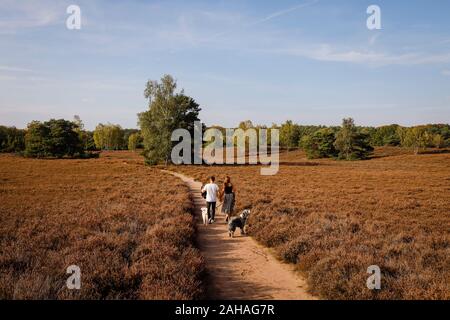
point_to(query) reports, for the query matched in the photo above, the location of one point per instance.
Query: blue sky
(312, 61)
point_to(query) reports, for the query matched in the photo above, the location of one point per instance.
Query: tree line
(169, 110)
(356, 142)
(352, 142)
(11, 139)
(113, 137)
(63, 138)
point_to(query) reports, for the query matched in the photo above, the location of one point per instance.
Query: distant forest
(63, 138)
(169, 109)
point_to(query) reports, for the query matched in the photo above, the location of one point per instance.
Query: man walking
(211, 190)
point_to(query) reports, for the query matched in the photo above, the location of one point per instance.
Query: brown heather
(335, 219)
(128, 227)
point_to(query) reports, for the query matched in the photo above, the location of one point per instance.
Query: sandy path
(240, 268)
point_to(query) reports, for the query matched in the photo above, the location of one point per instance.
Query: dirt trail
(240, 268)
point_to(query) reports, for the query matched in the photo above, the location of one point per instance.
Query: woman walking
(227, 195)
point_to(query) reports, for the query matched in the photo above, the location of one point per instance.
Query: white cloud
(16, 15)
(14, 69)
(326, 52)
(284, 12)
(269, 17)
(237, 34)
(446, 73)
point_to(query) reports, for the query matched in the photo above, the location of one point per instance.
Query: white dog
(205, 216)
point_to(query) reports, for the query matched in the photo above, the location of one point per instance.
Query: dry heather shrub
(128, 227)
(293, 249)
(336, 219)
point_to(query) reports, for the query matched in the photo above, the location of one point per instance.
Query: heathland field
(335, 219)
(120, 222)
(130, 227)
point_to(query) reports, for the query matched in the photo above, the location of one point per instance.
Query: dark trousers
(211, 206)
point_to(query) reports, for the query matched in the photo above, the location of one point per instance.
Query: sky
(311, 61)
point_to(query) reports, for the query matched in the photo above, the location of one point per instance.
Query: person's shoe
(210, 221)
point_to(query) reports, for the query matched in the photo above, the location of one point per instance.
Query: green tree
(108, 137)
(351, 143)
(126, 137)
(3, 138)
(36, 140)
(416, 138)
(386, 135)
(244, 125)
(289, 135)
(86, 137)
(11, 139)
(133, 141)
(87, 140)
(99, 136)
(53, 138)
(319, 144)
(168, 111)
(115, 137)
(438, 141)
(440, 135)
(309, 130)
(64, 139)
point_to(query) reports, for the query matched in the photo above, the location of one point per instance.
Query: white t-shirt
(211, 192)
